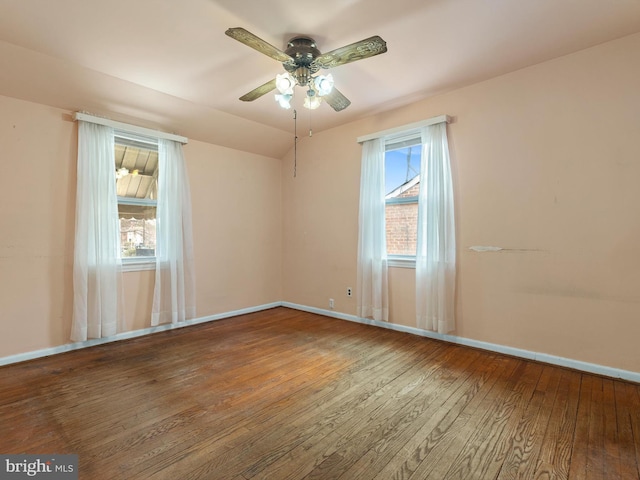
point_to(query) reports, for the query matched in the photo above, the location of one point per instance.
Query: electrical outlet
(331, 303)
(349, 292)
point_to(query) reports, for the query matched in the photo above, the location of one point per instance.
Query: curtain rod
(129, 128)
(410, 126)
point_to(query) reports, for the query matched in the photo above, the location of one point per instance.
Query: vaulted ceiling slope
(169, 65)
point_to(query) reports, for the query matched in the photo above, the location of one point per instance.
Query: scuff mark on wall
(483, 248)
(480, 248)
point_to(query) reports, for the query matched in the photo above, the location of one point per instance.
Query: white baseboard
(492, 347)
(45, 352)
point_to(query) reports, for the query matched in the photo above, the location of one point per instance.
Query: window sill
(401, 261)
(138, 264)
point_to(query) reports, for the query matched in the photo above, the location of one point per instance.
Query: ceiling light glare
(285, 83)
(284, 100)
(312, 101)
(324, 84)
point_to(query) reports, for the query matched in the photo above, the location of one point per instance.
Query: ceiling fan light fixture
(302, 76)
(284, 100)
(323, 84)
(312, 101)
(285, 83)
(302, 61)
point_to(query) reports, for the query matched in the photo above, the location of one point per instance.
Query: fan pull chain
(295, 142)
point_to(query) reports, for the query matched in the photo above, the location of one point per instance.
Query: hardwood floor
(283, 394)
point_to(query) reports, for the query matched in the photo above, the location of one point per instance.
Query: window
(402, 185)
(136, 166)
(388, 160)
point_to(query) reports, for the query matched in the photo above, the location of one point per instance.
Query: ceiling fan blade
(337, 100)
(249, 39)
(260, 91)
(350, 53)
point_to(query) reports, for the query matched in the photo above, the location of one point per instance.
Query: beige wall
(237, 229)
(546, 165)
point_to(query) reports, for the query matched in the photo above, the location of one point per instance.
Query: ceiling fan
(302, 61)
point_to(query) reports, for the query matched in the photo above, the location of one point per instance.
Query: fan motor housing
(303, 50)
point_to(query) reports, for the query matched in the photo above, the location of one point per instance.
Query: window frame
(136, 264)
(408, 138)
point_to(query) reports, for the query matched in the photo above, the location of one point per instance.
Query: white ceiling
(169, 64)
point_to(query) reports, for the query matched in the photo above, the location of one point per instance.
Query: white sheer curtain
(436, 249)
(174, 294)
(97, 270)
(372, 283)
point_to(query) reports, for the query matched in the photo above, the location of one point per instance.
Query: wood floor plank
(627, 404)
(595, 449)
(557, 443)
(261, 449)
(521, 457)
(250, 387)
(435, 454)
(482, 455)
(283, 394)
(259, 417)
(394, 414)
(440, 427)
(435, 403)
(580, 453)
(519, 450)
(635, 418)
(331, 415)
(612, 468)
